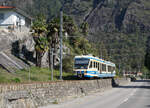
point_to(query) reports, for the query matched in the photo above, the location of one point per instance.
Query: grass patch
(6, 77)
(16, 80)
(55, 102)
(32, 74)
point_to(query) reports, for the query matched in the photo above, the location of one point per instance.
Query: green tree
(39, 35)
(84, 46)
(69, 25)
(102, 51)
(54, 28)
(84, 27)
(147, 57)
(53, 36)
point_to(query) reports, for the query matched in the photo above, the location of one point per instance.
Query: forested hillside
(120, 26)
(124, 28)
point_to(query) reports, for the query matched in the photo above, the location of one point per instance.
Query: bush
(68, 64)
(16, 80)
(141, 76)
(133, 78)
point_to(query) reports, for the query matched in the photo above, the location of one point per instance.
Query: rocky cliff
(137, 15)
(120, 15)
(14, 47)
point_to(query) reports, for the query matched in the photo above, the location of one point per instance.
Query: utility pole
(145, 74)
(123, 72)
(119, 69)
(61, 27)
(29, 72)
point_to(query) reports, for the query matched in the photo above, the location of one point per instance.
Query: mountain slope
(122, 25)
(124, 28)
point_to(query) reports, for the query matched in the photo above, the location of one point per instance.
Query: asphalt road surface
(134, 95)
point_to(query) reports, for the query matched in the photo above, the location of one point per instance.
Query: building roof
(16, 10)
(6, 7)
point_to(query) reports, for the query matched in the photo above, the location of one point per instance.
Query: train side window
(103, 67)
(98, 67)
(91, 64)
(96, 64)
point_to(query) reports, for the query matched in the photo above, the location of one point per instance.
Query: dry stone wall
(40, 94)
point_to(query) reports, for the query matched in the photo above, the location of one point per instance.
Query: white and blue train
(90, 67)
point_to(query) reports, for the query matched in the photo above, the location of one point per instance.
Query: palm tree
(53, 32)
(69, 25)
(39, 29)
(84, 27)
(53, 38)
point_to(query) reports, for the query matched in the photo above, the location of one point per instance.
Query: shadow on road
(142, 81)
(141, 86)
(148, 106)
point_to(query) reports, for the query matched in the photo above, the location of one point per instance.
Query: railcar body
(89, 66)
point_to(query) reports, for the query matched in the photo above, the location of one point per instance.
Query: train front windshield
(81, 63)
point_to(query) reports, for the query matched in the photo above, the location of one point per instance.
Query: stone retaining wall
(40, 94)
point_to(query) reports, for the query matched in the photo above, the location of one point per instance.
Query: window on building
(1, 16)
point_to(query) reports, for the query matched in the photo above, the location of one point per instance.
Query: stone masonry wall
(40, 94)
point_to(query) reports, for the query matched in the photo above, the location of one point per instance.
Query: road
(134, 95)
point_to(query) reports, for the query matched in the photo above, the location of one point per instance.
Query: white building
(13, 17)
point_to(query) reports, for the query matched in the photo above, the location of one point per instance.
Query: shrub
(16, 80)
(68, 64)
(133, 78)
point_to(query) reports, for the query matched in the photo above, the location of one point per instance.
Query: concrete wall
(40, 94)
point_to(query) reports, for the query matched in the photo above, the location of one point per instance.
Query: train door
(104, 68)
(109, 69)
(99, 68)
(112, 69)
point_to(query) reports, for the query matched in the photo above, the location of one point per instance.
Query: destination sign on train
(81, 61)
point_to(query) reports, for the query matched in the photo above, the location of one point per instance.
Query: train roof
(95, 58)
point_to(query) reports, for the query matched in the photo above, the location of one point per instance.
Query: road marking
(129, 96)
(125, 100)
(133, 92)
